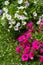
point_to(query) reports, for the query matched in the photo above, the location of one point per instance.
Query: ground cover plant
(21, 32)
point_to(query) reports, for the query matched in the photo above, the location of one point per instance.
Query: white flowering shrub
(18, 14)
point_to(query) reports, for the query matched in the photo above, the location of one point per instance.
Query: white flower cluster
(12, 22)
(20, 17)
(5, 14)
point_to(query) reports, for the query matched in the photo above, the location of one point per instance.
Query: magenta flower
(41, 44)
(41, 58)
(31, 30)
(25, 57)
(41, 50)
(41, 21)
(31, 55)
(26, 50)
(24, 43)
(21, 38)
(28, 35)
(35, 45)
(18, 49)
(30, 25)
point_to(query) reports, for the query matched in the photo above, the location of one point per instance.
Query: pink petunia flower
(31, 55)
(26, 50)
(30, 30)
(24, 43)
(41, 50)
(21, 38)
(35, 45)
(41, 44)
(41, 21)
(30, 25)
(18, 49)
(28, 35)
(25, 57)
(41, 58)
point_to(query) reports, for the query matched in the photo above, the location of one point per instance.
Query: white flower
(17, 11)
(38, 22)
(16, 15)
(22, 17)
(35, 14)
(23, 23)
(25, 13)
(8, 30)
(12, 22)
(6, 2)
(21, 7)
(27, 3)
(18, 24)
(16, 28)
(20, 1)
(10, 26)
(8, 16)
(35, 2)
(4, 15)
(5, 10)
(42, 16)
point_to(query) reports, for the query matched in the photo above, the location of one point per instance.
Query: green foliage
(7, 39)
(38, 36)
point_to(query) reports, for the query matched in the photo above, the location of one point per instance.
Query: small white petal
(35, 14)
(16, 28)
(22, 17)
(10, 26)
(16, 15)
(35, 2)
(8, 30)
(4, 15)
(23, 23)
(38, 22)
(20, 1)
(27, 3)
(6, 2)
(25, 13)
(5, 10)
(21, 7)
(12, 21)
(8, 16)
(18, 24)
